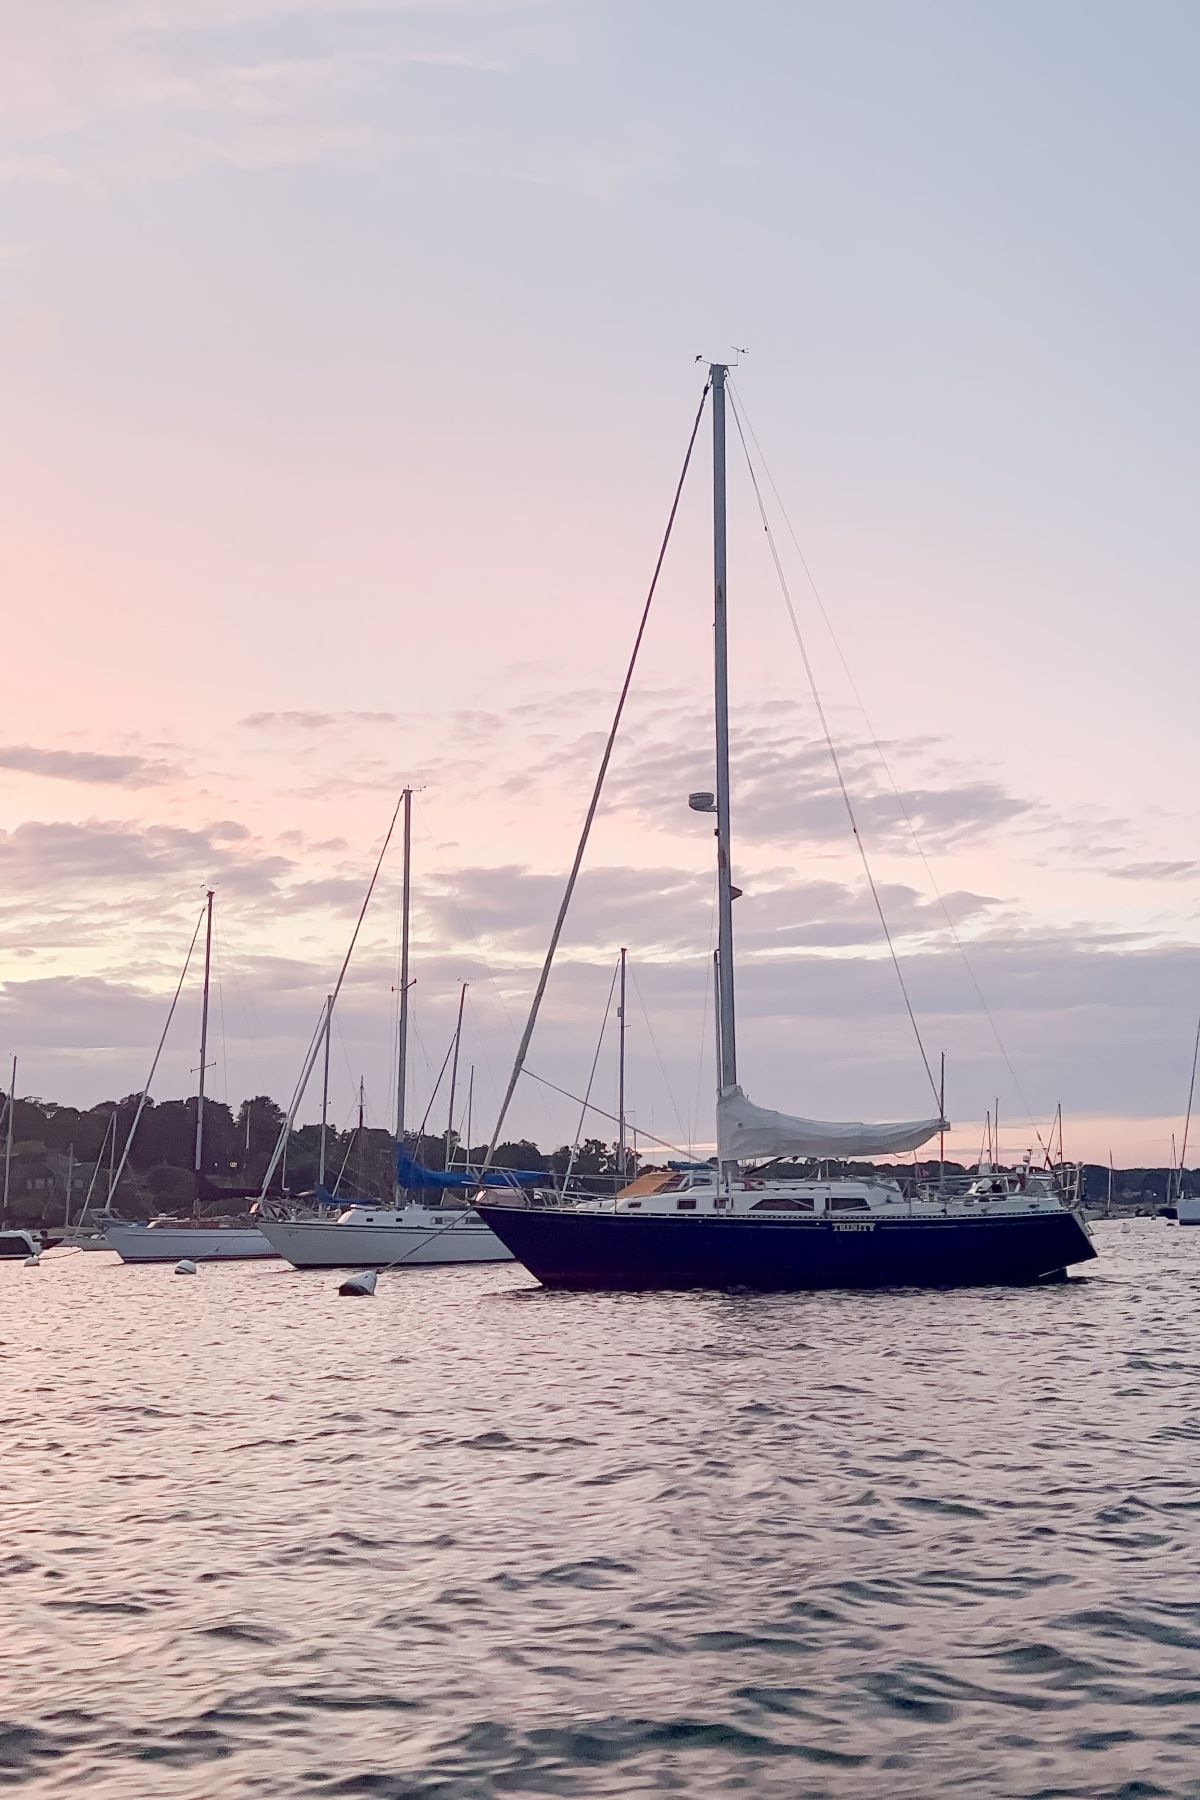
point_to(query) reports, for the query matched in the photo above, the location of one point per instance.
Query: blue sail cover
(412, 1174)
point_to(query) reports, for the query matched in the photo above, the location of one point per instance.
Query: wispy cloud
(1156, 871)
(91, 766)
(313, 721)
(120, 92)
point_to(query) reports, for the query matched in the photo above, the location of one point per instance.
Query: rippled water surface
(472, 1539)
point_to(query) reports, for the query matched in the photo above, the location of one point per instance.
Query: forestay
(746, 1132)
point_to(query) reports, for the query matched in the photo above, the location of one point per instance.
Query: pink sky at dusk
(347, 366)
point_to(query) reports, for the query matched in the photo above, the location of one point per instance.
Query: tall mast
(402, 1047)
(727, 1073)
(8, 1136)
(621, 1075)
(325, 1091)
(208, 904)
(362, 1113)
(462, 998)
(70, 1183)
(470, 1104)
(112, 1161)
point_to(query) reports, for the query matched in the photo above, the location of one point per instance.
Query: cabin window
(782, 1205)
(685, 1206)
(633, 1206)
(847, 1203)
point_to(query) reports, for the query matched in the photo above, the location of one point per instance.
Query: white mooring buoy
(185, 1266)
(359, 1286)
(34, 1261)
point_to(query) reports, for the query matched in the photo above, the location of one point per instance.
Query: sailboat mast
(112, 1162)
(462, 998)
(1187, 1121)
(402, 1034)
(727, 1074)
(621, 1074)
(8, 1136)
(208, 905)
(325, 1092)
(470, 1106)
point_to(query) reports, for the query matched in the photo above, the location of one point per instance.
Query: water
(471, 1539)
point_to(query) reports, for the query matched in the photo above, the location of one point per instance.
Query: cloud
(91, 766)
(668, 912)
(314, 721)
(786, 791)
(120, 92)
(1156, 871)
(50, 858)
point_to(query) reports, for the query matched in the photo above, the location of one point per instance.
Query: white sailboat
(409, 1233)
(199, 1240)
(15, 1240)
(1187, 1206)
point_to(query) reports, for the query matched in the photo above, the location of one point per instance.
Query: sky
(348, 357)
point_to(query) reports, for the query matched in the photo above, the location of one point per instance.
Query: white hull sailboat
(405, 1234)
(170, 1240)
(383, 1237)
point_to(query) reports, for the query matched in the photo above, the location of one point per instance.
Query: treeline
(52, 1143)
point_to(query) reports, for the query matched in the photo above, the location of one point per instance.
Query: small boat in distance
(1187, 1205)
(400, 1236)
(407, 1234)
(15, 1240)
(738, 1224)
(172, 1239)
(18, 1242)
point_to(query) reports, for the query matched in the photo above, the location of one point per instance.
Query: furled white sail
(746, 1132)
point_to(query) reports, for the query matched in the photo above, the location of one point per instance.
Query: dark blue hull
(638, 1250)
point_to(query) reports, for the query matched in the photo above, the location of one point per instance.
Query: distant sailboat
(411, 1232)
(1187, 1206)
(15, 1240)
(737, 1224)
(199, 1240)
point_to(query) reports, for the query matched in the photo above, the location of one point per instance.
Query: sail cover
(412, 1174)
(746, 1131)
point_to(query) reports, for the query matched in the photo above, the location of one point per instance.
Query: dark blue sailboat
(736, 1224)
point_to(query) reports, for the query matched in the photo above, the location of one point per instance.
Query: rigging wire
(1187, 1123)
(702, 1040)
(250, 1013)
(311, 1058)
(145, 1093)
(587, 1095)
(832, 748)
(664, 1143)
(736, 402)
(666, 1081)
(539, 991)
(221, 1020)
(490, 979)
